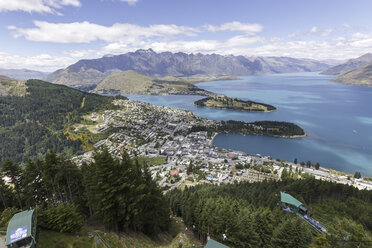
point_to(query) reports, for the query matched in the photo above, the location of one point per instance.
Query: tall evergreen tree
(14, 172)
(292, 233)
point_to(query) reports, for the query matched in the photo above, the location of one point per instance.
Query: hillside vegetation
(34, 116)
(268, 128)
(116, 195)
(131, 82)
(249, 214)
(225, 102)
(12, 87)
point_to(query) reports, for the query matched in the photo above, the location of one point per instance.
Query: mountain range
(91, 72)
(360, 76)
(23, 74)
(349, 65)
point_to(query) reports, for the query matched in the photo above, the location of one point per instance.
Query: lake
(336, 117)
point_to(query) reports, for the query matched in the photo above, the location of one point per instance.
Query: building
(292, 204)
(21, 231)
(289, 203)
(214, 244)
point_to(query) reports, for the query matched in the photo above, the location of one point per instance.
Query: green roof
(287, 198)
(19, 227)
(214, 244)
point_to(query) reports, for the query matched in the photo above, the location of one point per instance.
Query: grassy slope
(131, 82)
(177, 235)
(12, 87)
(151, 161)
(128, 82)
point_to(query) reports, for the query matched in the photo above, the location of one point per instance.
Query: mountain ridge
(360, 76)
(349, 65)
(23, 74)
(91, 72)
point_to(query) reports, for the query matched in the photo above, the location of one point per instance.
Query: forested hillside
(250, 216)
(117, 193)
(32, 124)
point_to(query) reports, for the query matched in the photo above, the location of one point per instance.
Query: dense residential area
(165, 136)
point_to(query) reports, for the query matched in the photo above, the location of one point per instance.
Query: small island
(224, 102)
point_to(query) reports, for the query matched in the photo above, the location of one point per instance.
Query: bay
(336, 117)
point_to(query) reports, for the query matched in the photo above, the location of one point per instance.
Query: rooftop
(287, 198)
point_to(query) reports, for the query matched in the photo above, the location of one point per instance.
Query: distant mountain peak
(145, 51)
(148, 62)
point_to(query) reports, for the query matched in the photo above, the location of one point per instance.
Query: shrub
(6, 215)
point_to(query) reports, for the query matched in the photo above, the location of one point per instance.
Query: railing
(98, 237)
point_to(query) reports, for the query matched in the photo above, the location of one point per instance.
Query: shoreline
(243, 110)
(274, 136)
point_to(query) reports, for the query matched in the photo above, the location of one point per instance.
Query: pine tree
(14, 172)
(3, 190)
(263, 225)
(33, 185)
(291, 233)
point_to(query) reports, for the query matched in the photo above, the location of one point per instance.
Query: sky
(47, 35)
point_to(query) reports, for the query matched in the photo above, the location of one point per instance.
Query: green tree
(291, 233)
(123, 195)
(357, 175)
(6, 215)
(14, 172)
(190, 168)
(320, 242)
(263, 220)
(61, 218)
(308, 164)
(295, 160)
(33, 185)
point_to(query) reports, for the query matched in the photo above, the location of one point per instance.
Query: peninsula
(224, 102)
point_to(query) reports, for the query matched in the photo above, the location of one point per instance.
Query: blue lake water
(336, 117)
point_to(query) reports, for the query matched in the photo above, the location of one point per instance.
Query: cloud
(79, 53)
(345, 25)
(314, 43)
(130, 2)
(326, 32)
(336, 48)
(85, 32)
(42, 62)
(198, 46)
(242, 40)
(313, 29)
(247, 28)
(40, 6)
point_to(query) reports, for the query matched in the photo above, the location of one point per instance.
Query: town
(164, 139)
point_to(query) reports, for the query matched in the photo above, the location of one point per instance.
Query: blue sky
(50, 34)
